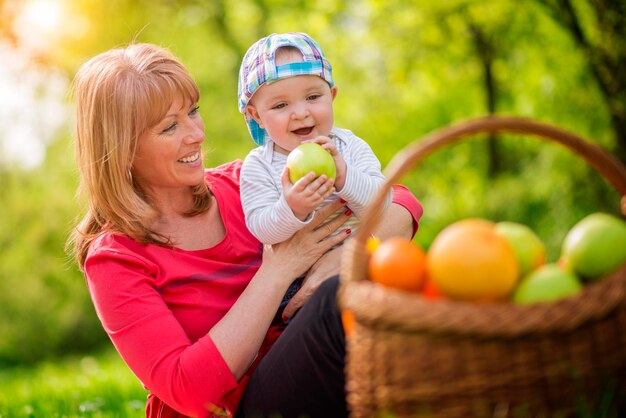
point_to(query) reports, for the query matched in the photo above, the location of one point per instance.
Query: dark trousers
(303, 374)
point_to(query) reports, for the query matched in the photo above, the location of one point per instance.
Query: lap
(303, 372)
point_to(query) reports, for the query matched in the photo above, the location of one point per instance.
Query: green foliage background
(403, 69)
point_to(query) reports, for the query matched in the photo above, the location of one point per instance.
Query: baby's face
(294, 109)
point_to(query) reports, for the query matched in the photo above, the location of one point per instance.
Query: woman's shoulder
(229, 171)
(110, 242)
(224, 180)
(114, 251)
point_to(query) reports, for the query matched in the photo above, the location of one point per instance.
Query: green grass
(90, 386)
(102, 386)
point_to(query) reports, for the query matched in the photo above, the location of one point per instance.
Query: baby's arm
(363, 176)
(268, 216)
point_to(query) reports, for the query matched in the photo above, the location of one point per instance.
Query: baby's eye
(313, 96)
(279, 106)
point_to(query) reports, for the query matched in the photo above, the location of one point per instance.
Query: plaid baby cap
(259, 67)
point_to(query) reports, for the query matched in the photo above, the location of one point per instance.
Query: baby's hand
(329, 145)
(307, 193)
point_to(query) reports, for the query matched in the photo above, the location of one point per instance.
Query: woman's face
(169, 154)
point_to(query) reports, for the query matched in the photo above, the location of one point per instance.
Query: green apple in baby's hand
(546, 284)
(528, 247)
(596, 245)
(309, 157)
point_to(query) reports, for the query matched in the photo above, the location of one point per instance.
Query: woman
(187, 295)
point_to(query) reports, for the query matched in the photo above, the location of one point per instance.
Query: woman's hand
(327, 266)
(396, 221)
(282, 263)
(292, 258)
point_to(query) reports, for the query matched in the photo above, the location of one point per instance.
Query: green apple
(546, 284)
(309, 157)
(528, 247)
(596, 245)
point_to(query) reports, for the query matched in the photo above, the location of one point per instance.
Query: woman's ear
(254, 114)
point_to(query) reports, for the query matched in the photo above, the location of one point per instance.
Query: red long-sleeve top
(157, 304)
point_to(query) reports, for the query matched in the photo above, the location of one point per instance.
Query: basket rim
(386, 308)
(591, 153)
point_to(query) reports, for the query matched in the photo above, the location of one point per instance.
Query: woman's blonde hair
(119, 95)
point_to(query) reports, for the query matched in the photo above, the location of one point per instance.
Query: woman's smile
(191, 158)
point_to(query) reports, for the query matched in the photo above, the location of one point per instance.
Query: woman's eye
(169, 129)
(194, 111)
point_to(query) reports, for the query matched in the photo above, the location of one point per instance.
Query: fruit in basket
(529, 249)
(309, 157)
(546, 284)
(469, 260)
(596, 245)
(400, 263)
(348, 321)
(371, 244)
(429, 289)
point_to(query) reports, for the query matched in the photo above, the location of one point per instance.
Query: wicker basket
(411, 357)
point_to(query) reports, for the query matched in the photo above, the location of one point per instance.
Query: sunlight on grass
(98, 386)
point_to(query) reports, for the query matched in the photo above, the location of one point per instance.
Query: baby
(286, 93)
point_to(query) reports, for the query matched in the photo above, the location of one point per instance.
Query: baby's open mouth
(303, 131)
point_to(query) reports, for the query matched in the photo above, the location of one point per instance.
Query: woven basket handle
(598, 158)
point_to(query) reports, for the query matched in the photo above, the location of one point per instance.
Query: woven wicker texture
(409, 357)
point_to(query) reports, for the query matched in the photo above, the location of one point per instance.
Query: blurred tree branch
(604, 44)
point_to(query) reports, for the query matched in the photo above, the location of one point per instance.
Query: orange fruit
(371, 244)
(400, 263)
(430, 291)
(469, 260)
(348, 321)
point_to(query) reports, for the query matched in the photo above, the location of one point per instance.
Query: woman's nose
(195, 133)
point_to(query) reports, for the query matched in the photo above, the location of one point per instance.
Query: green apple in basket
(528, 247)
(309, 157)
(596, 245)
(546, 284)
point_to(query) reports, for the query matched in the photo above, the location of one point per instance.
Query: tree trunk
(485, 51)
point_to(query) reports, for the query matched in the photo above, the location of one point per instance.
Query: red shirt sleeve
(403, 196)
(190, 377)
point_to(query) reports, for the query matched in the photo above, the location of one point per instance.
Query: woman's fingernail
(342, 201)
(348, 231)
(348, 212)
